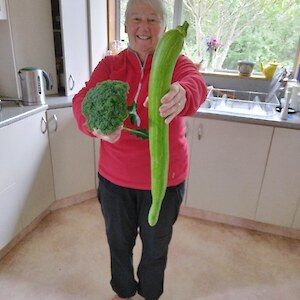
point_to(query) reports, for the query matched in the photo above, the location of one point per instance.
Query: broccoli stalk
(106, 109)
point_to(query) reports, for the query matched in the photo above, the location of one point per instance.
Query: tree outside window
(252, 30)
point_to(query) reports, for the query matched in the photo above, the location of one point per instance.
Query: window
(251, 30)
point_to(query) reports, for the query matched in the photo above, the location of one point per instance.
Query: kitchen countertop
(56, 101)
(293, 120)
(12, 114)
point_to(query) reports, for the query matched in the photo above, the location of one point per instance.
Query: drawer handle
(71, 82)
(200, 132)
(44, 125)
(56, 122)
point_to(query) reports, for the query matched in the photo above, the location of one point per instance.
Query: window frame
(113, 12)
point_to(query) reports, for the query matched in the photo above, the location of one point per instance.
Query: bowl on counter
(245, 67)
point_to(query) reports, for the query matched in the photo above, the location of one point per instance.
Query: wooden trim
(111, 16)
(24, 232)
(61, 203)
(234, 74)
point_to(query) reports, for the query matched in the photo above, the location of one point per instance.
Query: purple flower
(213, 44)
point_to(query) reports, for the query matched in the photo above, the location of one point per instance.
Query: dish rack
(242, 102)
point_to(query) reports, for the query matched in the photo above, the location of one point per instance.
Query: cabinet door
(74, 26)
(35, 178)
(10, 215)
(189, 123)
(10, 205)
(227, 166)
(98, 25)
(72, 155)
(3, 14)
(26, 181)
(280, 193)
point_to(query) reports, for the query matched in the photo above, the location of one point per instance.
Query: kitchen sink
(241, 102)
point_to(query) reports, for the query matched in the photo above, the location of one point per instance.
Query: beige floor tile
(66, 257)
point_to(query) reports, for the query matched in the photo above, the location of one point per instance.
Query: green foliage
(272, 35)
(106, 109)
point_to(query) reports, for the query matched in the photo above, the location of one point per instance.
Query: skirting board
(239, 222)
(54, 206)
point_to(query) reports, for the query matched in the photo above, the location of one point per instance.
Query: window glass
(223, 32)
(251, 30)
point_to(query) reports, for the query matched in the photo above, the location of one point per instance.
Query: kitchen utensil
(245, 68)
(32, 85)
(269, 70)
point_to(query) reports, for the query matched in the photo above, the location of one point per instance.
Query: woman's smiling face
(144, 26)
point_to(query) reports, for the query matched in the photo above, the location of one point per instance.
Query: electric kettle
(32, 85)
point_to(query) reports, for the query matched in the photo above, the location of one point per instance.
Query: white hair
(157, 4)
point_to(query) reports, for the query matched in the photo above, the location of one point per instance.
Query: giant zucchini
(163, 64)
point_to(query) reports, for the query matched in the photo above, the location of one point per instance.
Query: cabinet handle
(187, 130)
(54, 117)
(56, 122)
(200, 131)
(71, 82)
(44, 125)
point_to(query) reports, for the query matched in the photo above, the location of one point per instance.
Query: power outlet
(3, 14)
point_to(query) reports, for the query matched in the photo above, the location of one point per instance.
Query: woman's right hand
(111, 138)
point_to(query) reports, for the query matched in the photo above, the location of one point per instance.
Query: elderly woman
(124, 166)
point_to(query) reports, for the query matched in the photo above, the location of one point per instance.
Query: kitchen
(258, 170)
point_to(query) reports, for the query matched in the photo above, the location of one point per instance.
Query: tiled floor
(66, 258)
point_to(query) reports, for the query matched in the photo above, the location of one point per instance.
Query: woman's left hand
(173, 102)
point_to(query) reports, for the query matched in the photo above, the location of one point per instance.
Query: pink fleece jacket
(127, 162)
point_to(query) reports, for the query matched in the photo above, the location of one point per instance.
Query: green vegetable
(163, 64)
(106, 109)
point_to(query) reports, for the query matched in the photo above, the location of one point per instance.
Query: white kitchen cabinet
(71, 36)
(296, 222)
(189, 123)
(280, 194)
(26, 180)
(10, 215)
(10, 205)
(98, 31)
(3, 14)
(26, 41)
(72, 154)
(227, 166)
(34, 169)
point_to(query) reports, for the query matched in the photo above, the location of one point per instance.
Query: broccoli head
(105, 106)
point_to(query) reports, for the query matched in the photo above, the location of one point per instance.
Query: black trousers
(125, 212)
